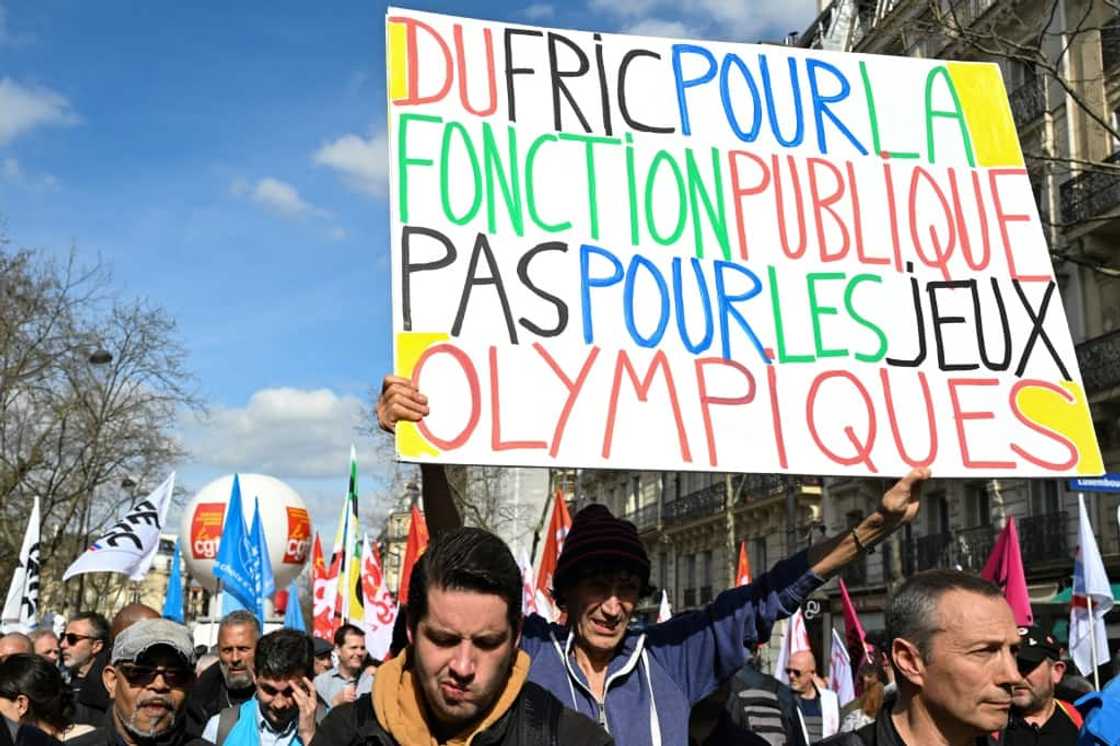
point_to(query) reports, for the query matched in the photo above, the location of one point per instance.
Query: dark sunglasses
(795, 672)
(73, 638)
(143, 675)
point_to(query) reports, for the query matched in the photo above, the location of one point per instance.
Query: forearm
(440, 512)
(827, 557)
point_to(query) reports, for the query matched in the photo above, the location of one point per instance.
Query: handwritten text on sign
(638, 253)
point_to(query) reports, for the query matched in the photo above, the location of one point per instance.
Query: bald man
(129, 616)
(820, 708)
(15, 642)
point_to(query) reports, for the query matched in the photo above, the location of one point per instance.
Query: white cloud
(659, 27)
(277, 197)
(22, 109)
(362, 162)
(538, 11)
(11, 172)
(731, 20)
(290, 433)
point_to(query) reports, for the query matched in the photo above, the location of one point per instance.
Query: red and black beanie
(599, 540)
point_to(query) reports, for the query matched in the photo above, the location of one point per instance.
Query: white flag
(1089, 582)
(21, 609)
(379, 610)
(664, 612)
(795, 638)
(528, 585)
(130, 545)
(840, 671)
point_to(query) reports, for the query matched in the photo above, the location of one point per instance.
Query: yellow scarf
(398, 702)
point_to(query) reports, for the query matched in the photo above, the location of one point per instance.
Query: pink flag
(1005, 569)
(854, 638)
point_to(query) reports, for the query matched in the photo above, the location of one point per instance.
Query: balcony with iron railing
(1027, 102)
(709, 501)
(1042, 538)
(855, 572)
(705, 595)
(644, 518)
(1099, 360)
(927, 552)
(1091, 193)
(973, 546)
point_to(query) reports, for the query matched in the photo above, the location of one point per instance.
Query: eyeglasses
(144, 675)
(791, 672)
(73, 638)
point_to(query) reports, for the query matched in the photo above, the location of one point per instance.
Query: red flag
(743, 573)
(417, 543)
(854, 638)
(1005, 569)
(558, 528)
(323, 621)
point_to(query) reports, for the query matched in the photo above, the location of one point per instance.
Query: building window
(1045, 499)
(690, 571)
(978, 500)
(663, 569)
(758, 556)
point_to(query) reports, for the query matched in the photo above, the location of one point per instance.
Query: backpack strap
(1070, 710)
(227, 718)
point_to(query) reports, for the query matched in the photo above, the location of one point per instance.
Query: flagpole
(214, 627)
(1093, 641)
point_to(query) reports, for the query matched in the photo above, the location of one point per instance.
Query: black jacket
(92, 701)
(760, 710)
(536, 719)
(208, 697)
(880, 733)
(107, 735)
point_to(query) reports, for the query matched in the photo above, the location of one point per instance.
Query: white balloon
(287, 526)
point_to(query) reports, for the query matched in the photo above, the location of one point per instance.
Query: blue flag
(293, 615)
(261, 565)
(233, 564)
(173, 601)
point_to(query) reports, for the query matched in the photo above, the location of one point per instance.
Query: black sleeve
(339, 727)
(575, 727)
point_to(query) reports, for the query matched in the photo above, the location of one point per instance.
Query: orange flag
(558, 528)
(417, 543)
(323, 591)
(743, 574)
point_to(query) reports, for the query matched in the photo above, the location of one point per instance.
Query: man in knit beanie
(641, 686)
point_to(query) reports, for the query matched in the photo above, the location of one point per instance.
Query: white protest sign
(628, 252)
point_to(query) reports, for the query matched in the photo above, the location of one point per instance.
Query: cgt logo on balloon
(299, 536)
(206, 530)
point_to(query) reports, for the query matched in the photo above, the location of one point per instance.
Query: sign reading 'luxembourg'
(649, 254)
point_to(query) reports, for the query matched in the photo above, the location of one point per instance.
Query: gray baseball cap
(136, 640)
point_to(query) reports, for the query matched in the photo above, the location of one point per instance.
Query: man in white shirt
(282, 712)
(346, 681)
(819, 706)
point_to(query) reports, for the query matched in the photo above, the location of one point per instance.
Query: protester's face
(47, 647)
(463, 649)
(14, 709)
(1036, 688)
(79, 645)
(277, 703)
(148, 694)
(967, 678)
(322, 663)
(800, 670)
(600, 608)
(11, 645)
(351, 653)
(236, 644)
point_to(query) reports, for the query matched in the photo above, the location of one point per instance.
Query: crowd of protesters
(467, 667)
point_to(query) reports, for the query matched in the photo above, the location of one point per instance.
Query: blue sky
(227, 160)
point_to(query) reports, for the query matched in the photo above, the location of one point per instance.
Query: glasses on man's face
(139, 675)
(793, 673)
(73, 638)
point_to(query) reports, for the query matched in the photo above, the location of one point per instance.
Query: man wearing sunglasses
(1038, 718)
(85, 648)
(283, 711)
(150, 671)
